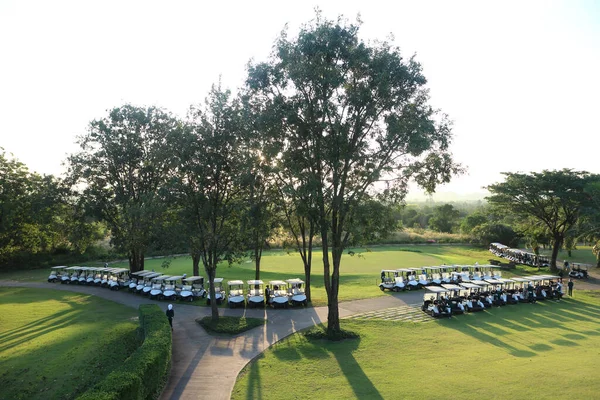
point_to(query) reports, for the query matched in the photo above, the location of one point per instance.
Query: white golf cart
(98, 276)
(391, 279)
(91, 275)
(219, 291)
(74, 274)
(296, 291)
(193, 287)
(146, 282)
(256, 293)
(56, 273)
(278, 294)
(435, 275)
(158, 286)
(457, 297)
(172, 287)
(119, 278)
(435, 302)
(137, 278)
(235, 297)
(475, 298)
(83, 274)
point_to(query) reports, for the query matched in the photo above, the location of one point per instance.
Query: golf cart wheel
(396, 289)
(382, 288)
(191, 298)
(410, 288)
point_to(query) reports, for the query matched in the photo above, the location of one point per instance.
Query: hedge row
(143, 375)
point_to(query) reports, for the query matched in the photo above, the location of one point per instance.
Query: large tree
(444, 218)
(552, 200)
(347, 114)
(212, 169)
(121, 169)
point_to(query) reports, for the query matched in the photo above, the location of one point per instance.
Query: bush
(143, 375)
(230, 325)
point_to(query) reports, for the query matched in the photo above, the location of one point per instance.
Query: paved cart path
(205, 366)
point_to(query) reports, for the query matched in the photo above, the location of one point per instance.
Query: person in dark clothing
(170, 315)
(570, 286)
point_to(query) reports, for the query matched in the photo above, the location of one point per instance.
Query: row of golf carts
(471, 296)
(417, 278)
(156, 285)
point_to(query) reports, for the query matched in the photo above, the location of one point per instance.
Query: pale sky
(520, 79)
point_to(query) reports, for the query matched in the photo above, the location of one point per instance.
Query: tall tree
(347, 114)
(444, 218)
(552, 199)
(121, 167)
(212, 167)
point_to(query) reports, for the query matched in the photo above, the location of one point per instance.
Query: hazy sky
(520, 79)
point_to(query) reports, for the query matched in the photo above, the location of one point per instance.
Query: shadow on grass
(497, 326)
(254, 390)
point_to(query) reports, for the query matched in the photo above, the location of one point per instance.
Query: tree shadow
(361, 384)
(254, 388)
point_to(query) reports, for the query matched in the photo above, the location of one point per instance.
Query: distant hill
(418, 196)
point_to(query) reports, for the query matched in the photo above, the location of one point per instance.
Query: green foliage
(319, 332)
(230, 325)
(122, 167)
(143, 375)
(471, 221)
(490, 232)
(444, 218)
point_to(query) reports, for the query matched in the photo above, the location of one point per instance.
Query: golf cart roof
(404, 270)
(550, 276)
(119, 270)
(435, 289)
(174, 278)
(235, 283)
(389, 270)
(494, 282)
(59, 267)
(160, 278)
(490, 266)
(74, 268)
(469, 285)
(193, 278)
(433, 268)
(278, 283)
(480, 283)
(295, 280)
(506, 280)
(255, 282)
(451, 286)
(151, 275)
(218, 280)
(141, 273)
(534, 278)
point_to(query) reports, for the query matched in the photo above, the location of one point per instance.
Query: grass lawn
(55, 345)
(547, 350)
(359, 274)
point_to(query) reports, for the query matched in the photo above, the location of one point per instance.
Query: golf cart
(56, 273)
(219, 291)
(74, 274)
(579, 271)
(510, 291)
(193, 287)
(172, 287)
(158, 287)
(146, 282)
(91, 275)
(435, 303)
(119, 278)
(236, 293)
(391, 280)
(256, 294)
(474, 301)
(435, 275)
(296, 291)
(485, 294)
(137, 278)
(83, 274)
(457, 297)
(499, 298)
(106, 275)
(278, 294)
(446, 273)
(519, 288)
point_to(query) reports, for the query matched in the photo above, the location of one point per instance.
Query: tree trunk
(136, 260)
(195, 263)
(555, 247)
(258, 256)
(333, 312)
(213, 301)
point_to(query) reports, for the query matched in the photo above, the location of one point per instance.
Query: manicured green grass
(230, 325)
(547, 350)
(359, 273)
(55, 345)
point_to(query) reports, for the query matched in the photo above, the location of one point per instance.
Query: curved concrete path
(206, 366)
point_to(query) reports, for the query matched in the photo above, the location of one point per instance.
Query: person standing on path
(170, 315)
(570, 285)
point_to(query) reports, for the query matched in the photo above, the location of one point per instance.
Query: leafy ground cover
(359, 273)
(230, 325)
(55, 345)
(546, 350)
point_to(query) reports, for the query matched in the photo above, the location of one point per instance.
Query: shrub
(143, 375)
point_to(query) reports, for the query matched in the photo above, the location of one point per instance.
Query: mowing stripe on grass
(409, 313)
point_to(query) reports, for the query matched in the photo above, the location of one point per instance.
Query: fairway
(55, 345)
(544, 351)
